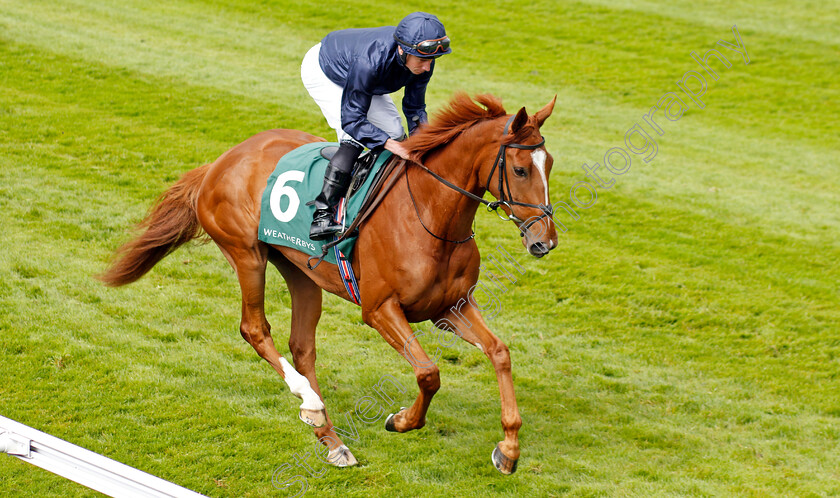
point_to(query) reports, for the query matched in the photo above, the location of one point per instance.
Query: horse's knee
(499, 355)
(512, 422)
(429, 379)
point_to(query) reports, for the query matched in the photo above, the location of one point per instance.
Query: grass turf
(682, 340)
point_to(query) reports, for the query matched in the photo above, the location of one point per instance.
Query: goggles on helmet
(428, 47)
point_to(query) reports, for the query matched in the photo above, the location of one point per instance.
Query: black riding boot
(336, 181)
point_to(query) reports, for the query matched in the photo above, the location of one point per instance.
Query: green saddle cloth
(297, 179)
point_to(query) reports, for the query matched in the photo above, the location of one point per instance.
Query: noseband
(505, 197)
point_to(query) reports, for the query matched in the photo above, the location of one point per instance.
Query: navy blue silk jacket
(365, 62)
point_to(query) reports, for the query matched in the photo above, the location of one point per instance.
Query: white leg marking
(539, 156)
(300, 387)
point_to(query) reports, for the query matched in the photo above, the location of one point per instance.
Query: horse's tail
(172, 221)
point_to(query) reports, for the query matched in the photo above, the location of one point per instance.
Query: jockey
(350, 74)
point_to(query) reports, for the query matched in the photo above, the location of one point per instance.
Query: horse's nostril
(538, 249)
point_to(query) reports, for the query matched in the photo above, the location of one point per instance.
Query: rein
(383, 185)
(504, 184)
(414, 203)
(397, 164)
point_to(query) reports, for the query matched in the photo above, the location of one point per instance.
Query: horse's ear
(519, 121)
(545, 112)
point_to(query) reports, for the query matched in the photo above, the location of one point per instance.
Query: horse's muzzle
(538, 249)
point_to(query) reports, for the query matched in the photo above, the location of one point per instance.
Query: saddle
(285, 218)
(361, 169)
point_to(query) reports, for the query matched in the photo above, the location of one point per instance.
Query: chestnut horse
(406, 273)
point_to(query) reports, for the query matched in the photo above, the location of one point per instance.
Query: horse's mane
(461, 114)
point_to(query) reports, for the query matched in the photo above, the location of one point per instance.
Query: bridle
(504, 184)
(491, 205)
(504, 188)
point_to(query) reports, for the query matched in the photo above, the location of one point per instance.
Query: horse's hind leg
(306, 311)
(250, 265)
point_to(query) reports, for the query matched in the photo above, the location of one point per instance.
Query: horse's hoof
(314, 418)
(502, 463)
(341, 457)
(389, 422)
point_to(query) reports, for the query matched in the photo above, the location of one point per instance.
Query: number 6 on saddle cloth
(285, 221)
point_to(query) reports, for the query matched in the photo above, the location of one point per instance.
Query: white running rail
(83, 466)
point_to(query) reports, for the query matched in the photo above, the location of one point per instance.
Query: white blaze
(539, 156)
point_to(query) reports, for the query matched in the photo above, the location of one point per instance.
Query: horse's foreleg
(389, 320)
(250, 268)
(306, 312)
(506, 453)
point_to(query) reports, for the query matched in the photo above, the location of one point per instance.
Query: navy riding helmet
(422, 35)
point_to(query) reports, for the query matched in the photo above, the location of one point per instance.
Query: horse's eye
(520, 172)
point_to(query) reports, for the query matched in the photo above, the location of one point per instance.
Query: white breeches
(382, 113)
